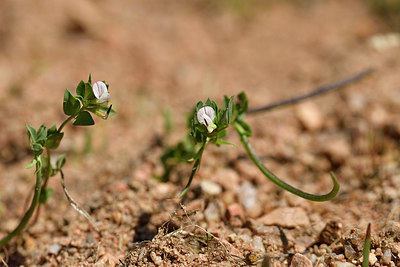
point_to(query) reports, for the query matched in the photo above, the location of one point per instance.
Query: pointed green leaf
(60, 161)
(41, 133)
(71, 104)
(54, 140)
(37, 149)
(89, 95)
(31, 164)
(51, 130)
(31, 132)
(223, 142)
(83, 119)
(244, 128)
(80, 89)
(45, 194)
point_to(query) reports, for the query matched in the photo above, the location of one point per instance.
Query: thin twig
(76, 205)
(315, 92)
(3, 261)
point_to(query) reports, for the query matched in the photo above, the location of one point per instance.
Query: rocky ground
(160, 56)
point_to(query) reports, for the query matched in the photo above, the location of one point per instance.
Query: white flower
(100, 92)
(206, 116)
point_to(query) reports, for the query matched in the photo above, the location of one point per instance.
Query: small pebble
(342, 264)
(54, 249)
(247, 195)
(156, 259)
(286, 217)
(300, 260)
(372, 259)
(235, 214)
(310, 116)
(210, 188)
(387, 256)
(258, 245)
(212, 212)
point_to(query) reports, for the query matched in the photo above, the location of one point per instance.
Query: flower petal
(100, 91)
(206, 116)
(204, 112)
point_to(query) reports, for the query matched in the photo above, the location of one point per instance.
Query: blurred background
(167, 55)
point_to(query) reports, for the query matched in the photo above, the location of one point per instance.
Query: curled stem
(315, 92)
(279, 182)
(31, 209)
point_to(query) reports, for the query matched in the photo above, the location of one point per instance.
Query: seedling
(208, 123)
(89, 98)
(367, 247)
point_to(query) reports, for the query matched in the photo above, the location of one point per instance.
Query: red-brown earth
(160, 56)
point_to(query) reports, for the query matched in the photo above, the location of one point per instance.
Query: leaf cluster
(79, 106)
(192, 146)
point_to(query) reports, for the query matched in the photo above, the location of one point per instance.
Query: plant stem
(315, 92)
(196, 166)
(279, 182)
(45, 180)
(31, 209)
(367, 247)
(64, 123)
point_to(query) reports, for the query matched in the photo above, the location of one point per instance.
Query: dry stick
(315, 92)
(76, 205)
(2, 260)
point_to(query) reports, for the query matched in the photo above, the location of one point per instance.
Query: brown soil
(157, 55)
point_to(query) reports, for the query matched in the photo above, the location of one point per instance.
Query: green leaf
(223, 142)
(244, 128)
(71, 105)
(51, 130)
(242, 104)
(89, 95)
(31, 132)
(83, 119)
(37, 149)
(60, 161)
(41, 133)
(80, 89)
(45, 194)
(31, 164)
(54, 140)
(90, 79)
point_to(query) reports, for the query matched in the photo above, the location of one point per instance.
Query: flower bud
(100, 92)
(206, 116)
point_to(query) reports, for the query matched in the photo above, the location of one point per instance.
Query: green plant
(367, 247)
(208, 123)
(89, 98)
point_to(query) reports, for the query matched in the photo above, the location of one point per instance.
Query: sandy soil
(160, 56)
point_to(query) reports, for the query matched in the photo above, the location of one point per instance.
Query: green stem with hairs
(31, 209)
(279, 182)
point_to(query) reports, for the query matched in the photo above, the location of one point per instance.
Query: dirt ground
(159, 55)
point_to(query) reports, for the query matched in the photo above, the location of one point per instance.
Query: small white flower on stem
(100, 92)
(206, 116)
